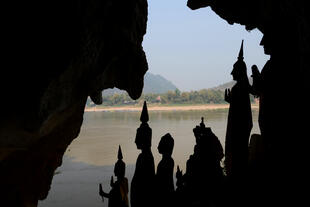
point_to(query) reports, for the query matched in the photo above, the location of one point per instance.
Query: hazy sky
(196, 49)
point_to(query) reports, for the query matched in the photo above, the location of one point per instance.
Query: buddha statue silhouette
(142, 184)
(118, 196)
(239, 122)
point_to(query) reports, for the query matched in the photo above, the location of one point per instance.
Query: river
(90, 158)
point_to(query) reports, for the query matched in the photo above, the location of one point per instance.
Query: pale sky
(196, 49)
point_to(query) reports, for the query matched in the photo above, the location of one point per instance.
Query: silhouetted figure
(203, 179)
(118, 196)
(239, 121)
(142, 185)
(164, 174)
(262, 88)
(209, 145)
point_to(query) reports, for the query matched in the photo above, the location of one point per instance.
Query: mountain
(152, 84)
(157, 84)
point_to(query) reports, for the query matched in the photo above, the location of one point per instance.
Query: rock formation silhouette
(142, 184)
(118, 196)
(61, 53)
(164, 175)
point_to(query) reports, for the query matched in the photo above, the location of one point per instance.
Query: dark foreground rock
(56, 54)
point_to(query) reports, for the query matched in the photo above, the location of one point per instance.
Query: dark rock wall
(287, 24)
(56, 54)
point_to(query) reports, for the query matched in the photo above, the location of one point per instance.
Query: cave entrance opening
(194, 50)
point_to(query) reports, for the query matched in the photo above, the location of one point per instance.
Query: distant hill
(152, 84)
(229, 84)
(223, 86)
(157, 84)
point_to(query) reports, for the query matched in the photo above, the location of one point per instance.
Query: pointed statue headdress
(239, 67)
(120, 165)
(144, 118)
(120, 154)
(240, 57)
(144, 132)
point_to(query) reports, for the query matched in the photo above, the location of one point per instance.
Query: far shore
(162, 108)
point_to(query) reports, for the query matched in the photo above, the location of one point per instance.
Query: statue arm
(102, 193)
(107, 195)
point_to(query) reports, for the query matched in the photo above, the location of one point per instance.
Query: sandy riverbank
(164, 108)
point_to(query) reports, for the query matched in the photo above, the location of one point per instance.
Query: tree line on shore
(204, 96)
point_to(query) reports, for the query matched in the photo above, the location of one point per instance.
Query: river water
(90, 158)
